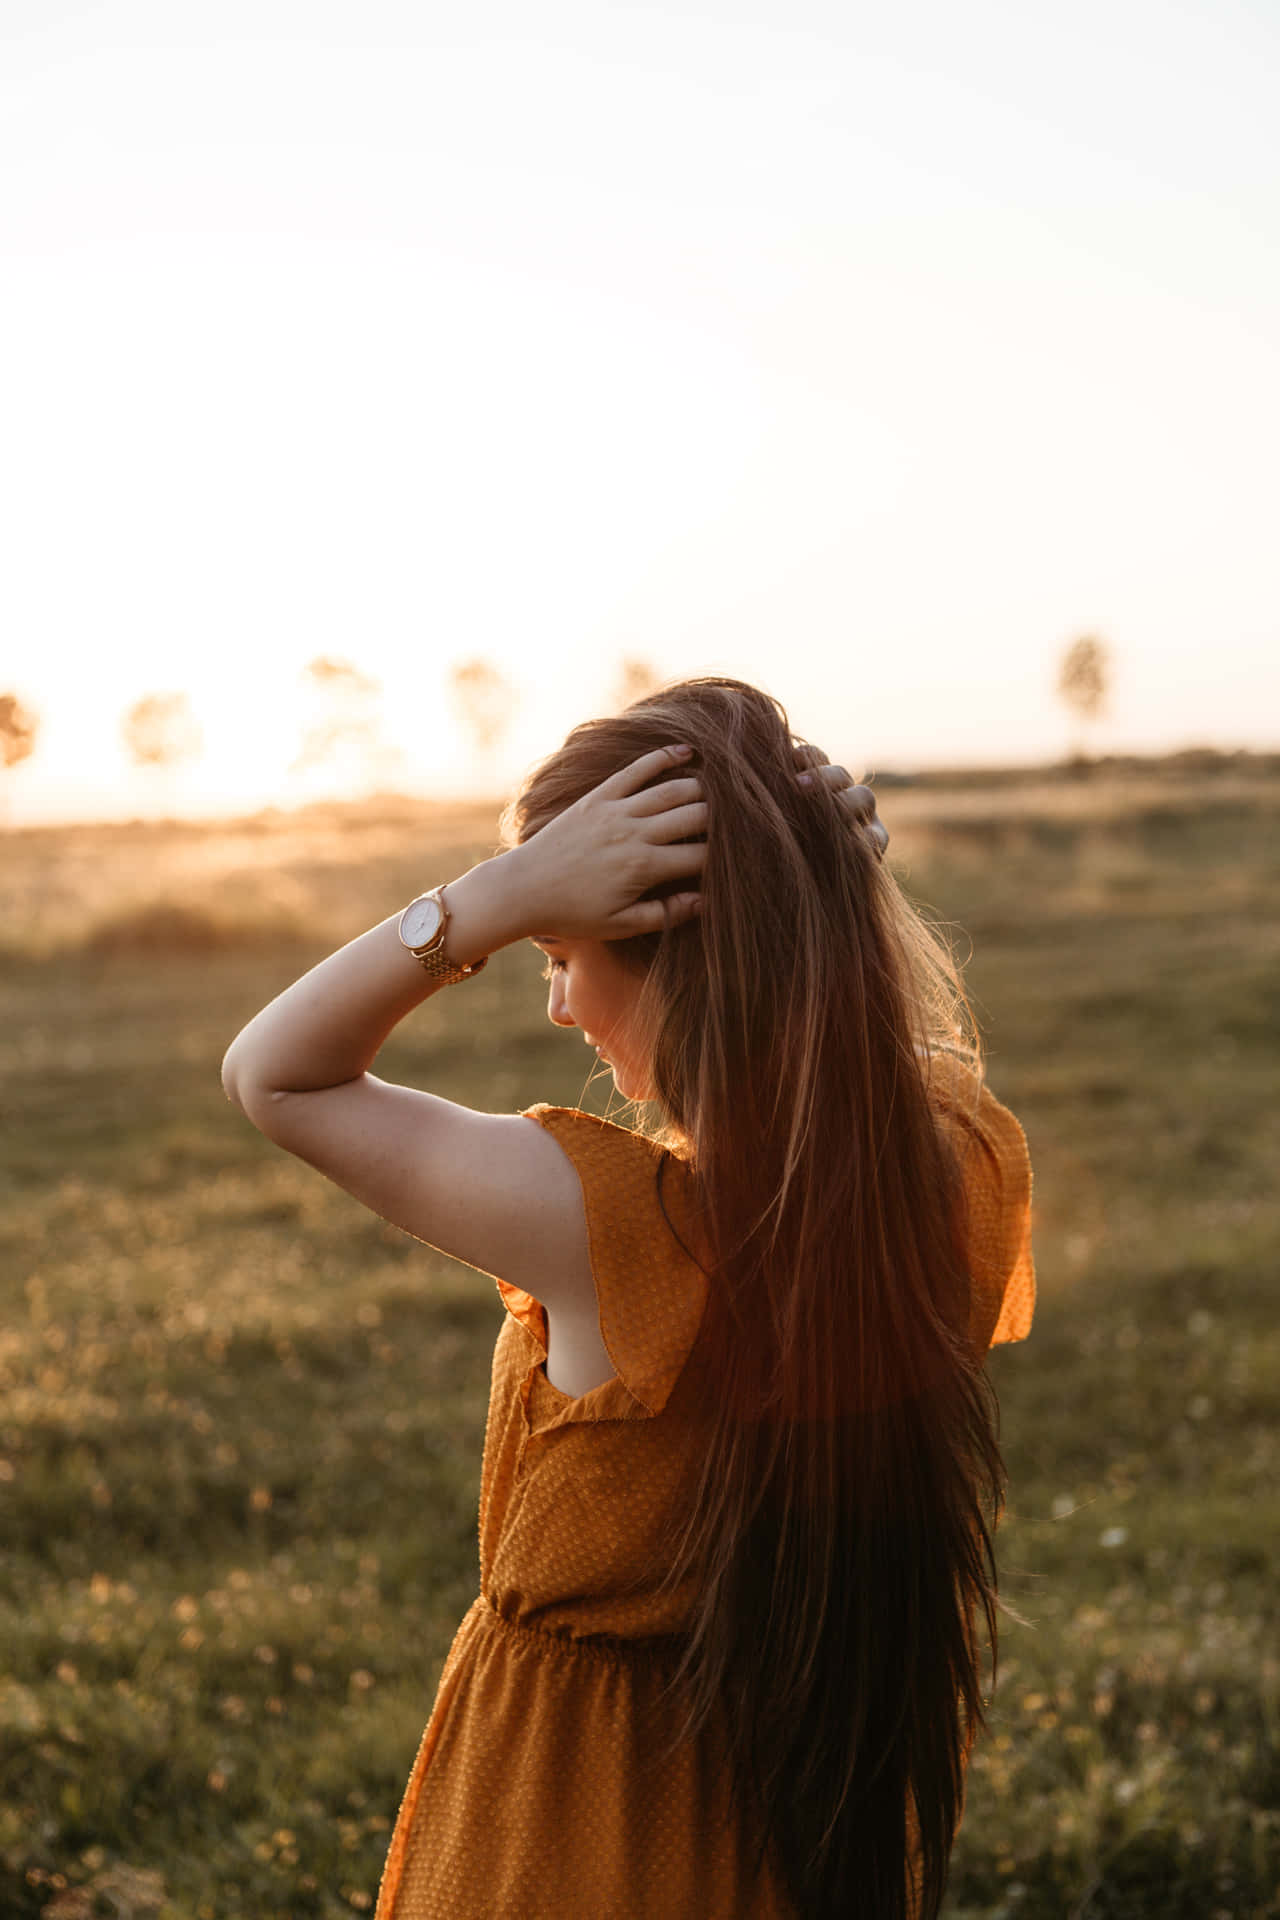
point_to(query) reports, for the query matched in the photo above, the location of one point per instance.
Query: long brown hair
(851, 1478)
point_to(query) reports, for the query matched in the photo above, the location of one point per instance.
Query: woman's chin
(628, 1091)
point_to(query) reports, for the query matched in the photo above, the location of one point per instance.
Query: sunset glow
(870, 361)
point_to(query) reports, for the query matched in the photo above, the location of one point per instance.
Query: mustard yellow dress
(532, 1794)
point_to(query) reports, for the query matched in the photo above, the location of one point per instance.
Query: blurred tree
(636, 678)
(1084, 680)
(19, 726)
(160, 730)
(342, 739)
(18, 729)
(484, 700)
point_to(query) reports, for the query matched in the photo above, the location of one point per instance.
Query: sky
(871, 354)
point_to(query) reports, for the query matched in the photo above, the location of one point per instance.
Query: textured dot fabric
(534, 1792)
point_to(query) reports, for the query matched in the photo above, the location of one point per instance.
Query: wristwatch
(423, 925)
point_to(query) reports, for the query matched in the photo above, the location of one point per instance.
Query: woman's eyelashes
(552, 966)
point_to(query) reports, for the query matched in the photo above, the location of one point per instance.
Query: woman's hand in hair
(859, 801)
(582, 876)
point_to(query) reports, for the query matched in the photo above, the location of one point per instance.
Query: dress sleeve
(650, 1289)
(997, 1174)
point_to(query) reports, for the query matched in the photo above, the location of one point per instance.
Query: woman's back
(538, 1787)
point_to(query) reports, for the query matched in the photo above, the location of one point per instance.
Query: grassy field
(241, 1419)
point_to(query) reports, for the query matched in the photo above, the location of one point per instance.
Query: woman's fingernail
(682, 752)
(806, 779)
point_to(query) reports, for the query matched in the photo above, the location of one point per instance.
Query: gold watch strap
(444, 970)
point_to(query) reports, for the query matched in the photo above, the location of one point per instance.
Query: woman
(741, 1465)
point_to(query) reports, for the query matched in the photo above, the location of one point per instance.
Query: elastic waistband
(658, 1650)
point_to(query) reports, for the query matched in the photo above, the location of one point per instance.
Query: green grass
(241, 1419)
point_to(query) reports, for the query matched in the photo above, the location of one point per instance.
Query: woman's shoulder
(624, 1161)
(995, 1165)
(602, 1136)
(587, 1125)
(957, 1089)
(642, 1235)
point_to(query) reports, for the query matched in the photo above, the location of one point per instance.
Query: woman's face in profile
(590, 987)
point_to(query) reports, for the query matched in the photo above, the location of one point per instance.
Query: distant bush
(171, 926)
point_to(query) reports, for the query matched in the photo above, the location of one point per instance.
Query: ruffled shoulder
(650, 1289)
(997, 1173)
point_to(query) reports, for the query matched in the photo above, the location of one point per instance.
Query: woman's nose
(557, 1006)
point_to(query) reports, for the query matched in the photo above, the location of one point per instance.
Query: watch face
(420, 922)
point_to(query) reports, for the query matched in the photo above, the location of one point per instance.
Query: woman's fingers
(838, 778)
(653, 916)
(858, 799)
(676, 812)
(861, 802)
(808, 756)
(631, 778)
(679, 822)
(670, 863)
(667, 793)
